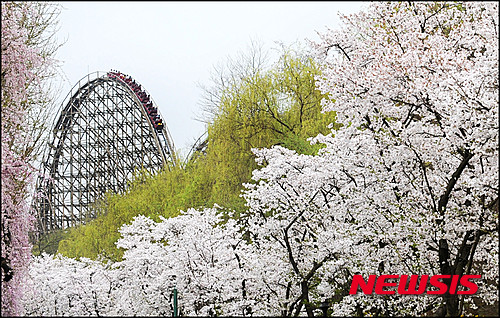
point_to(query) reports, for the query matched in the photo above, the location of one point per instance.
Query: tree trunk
(305, 299)
(451, 302)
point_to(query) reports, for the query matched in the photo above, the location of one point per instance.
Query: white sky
(171, 47)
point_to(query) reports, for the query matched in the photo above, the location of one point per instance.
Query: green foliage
(48, 243)
(147, 195)
(279, 106)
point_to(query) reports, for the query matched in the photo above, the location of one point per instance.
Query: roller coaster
(107, 131)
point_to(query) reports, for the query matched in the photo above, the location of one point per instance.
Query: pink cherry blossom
(23, 62)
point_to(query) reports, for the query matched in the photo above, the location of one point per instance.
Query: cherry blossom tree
(414, 170)
(409, 184)
(60, 286)
(196, 253)
(296, 237)
(26, 60)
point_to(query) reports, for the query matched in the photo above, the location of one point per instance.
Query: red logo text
(414, 284)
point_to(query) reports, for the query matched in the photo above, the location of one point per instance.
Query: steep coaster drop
(108, 129)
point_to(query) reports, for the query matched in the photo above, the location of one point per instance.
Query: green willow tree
(255, 107)
(280, 106)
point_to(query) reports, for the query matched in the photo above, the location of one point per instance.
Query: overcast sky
(171, 47)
